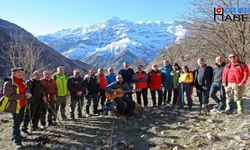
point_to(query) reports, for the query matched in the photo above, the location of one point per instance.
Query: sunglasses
(232, 56)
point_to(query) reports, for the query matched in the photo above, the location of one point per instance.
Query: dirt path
(160, 128)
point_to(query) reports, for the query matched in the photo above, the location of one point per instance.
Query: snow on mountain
(115, 40)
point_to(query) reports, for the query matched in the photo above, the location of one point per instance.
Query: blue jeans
(222, 100)
(185, 88)
(17, 120)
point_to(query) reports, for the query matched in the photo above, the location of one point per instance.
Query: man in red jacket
(234, 79)
(155, 84)
(102, 86)
(140, 78)
(50, 90)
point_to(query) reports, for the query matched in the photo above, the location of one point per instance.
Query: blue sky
(46, 16)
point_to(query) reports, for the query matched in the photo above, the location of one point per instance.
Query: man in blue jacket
(111, 76)
(167, 81)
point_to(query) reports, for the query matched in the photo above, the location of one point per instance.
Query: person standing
(217, 84)
(127, 74)
(92, 84)
(35, 87)
(203, 81)
(50, 90)
(186, 80)
(140, 78)
(62, 90)
(14, 89)
(166, 81)
(111, 76)
(102, 86)
(155, 84)
(234, 79)
(77, 88)
(175, 75)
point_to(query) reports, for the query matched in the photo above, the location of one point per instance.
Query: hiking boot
(43, 127)
(227, 111)
(205, 108)
(25, 130)
(73, 119)
(65, 119)
(181, 110)
(52, 124)
(18, 146)
(168, 101)
(240, 107)
(80, 116)
(37, 129)
(23, 135)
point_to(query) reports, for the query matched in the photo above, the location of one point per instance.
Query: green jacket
(175, 78)
(61, 84)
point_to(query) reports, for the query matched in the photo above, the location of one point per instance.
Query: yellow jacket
(186, 78)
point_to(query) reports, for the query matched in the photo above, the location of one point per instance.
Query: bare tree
(22, 52)
(219, 37)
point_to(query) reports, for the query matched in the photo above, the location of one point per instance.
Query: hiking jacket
(175, 78)
(166, 77)
(127, 75)
(110, 78)
(50, 89)
(35, 87)
(217, 74)
(92, 84)
(207, 78)
(61, 84)
(14, 96)
(140, 79)
(76, 84)
(186, 78)
(241, 72)
(103, 81)
(155, 80)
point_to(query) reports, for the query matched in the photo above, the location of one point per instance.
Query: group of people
(40, 98)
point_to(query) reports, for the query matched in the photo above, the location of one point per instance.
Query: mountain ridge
(103, 42)
(50, 57)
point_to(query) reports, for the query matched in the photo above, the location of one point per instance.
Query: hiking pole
(80, 104)
(53, 112)
(30, 118)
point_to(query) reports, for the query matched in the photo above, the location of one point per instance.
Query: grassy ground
(157, 128)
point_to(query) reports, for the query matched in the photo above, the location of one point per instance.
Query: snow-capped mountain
(115, 40)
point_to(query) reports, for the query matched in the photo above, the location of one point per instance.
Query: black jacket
(92, 84)
(127, 75)
(206, 80)
(75, 85)
(36, 89)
